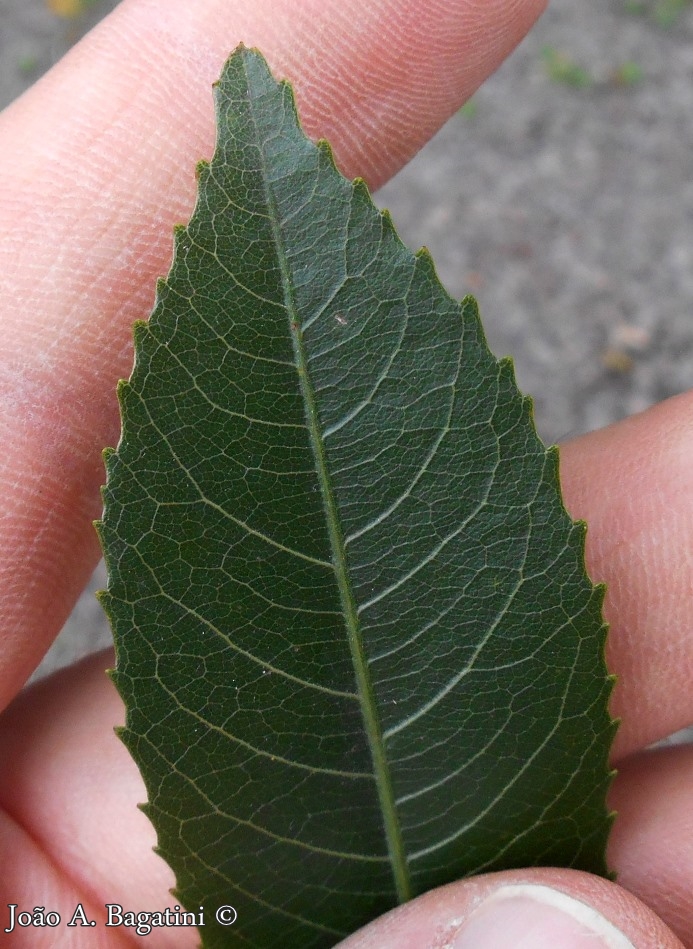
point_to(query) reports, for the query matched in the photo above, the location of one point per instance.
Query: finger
(633, 484)
(652, 840)
(28, 878)
(73, 790)
(97, 164)
(541, 908)
(71, 797)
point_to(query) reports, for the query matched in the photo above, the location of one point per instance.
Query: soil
(561, 197)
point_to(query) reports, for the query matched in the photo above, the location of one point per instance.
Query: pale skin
(96, 166)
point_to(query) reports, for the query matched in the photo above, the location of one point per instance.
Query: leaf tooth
(123, 389)
(176, 893)
(361, 195)
(527, 405)
(425, 264)
(181, 245)
(424, 254)
(285, 87)
(201, 171)
(472, 320)
(552, 467)
(327, 153)
(109, 457)
(99, 528)
(600, 590)
(116, 677)
(124, 733)
(104, 598)
(506, 365)
(390, 231)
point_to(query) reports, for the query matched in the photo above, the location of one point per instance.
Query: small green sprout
(562, 68)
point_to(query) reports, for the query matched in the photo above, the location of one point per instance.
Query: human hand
(96, 167)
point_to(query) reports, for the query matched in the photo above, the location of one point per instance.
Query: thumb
(520, 909)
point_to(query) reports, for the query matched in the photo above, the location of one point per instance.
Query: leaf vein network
(224, 513)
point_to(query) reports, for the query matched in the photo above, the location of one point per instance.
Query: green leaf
(358, 648)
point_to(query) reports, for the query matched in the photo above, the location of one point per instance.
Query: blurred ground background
(561, 196)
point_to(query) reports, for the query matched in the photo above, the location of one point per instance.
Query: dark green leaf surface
(357, 645)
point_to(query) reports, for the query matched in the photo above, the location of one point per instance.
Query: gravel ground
(561, 197)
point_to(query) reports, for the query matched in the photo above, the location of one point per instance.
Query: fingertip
(537, 908)
(633, 484)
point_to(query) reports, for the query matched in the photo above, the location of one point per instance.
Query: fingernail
(527, 916)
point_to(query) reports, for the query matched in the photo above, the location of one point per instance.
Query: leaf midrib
(371, 719)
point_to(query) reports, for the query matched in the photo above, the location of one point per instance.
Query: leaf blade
(328, 516)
